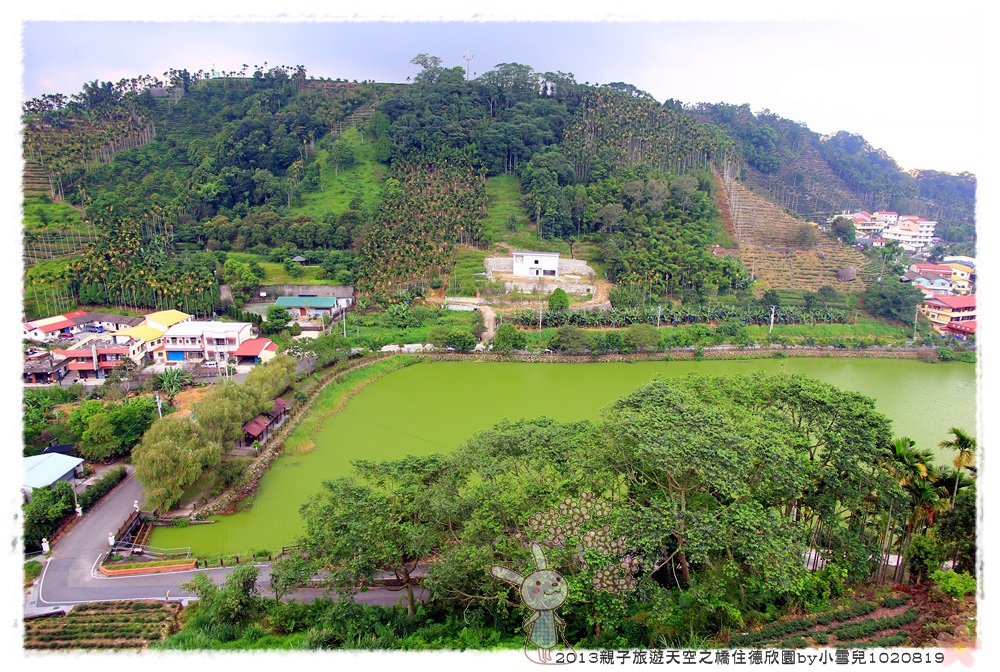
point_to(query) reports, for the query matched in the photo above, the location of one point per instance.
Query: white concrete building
(201, 340)
(913, 233)
(536, 264)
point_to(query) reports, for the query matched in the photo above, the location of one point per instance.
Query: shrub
(955, 584)
(893, 602)
(558, 300)
(103, 486)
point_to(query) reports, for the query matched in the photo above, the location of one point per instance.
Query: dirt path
(490, 322)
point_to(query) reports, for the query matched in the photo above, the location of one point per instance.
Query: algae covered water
(434, 406)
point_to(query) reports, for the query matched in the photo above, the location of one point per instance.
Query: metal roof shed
(41, 471)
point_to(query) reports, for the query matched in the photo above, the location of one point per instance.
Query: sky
(897, 97)
(915, 78)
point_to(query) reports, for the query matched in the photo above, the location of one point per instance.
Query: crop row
(118, 606)
(100, 644)
(117, 617)
(101, 630)
(795, 625)
(884, 642)
(893, 602)
(872, 625)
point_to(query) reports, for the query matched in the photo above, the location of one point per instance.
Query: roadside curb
(180, 566)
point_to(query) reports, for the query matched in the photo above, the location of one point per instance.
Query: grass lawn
(503, 198)
(364, 177)
(275, 273)
(372, 330)
(865, 328)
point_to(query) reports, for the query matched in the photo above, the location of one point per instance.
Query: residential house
(913, 233)
(107, 321)
(49, 329)
(536, 264)
(255, 351)
(963, 271)
(314, 306)
(298, 259)
(947, 313)
(41, 366)
(886, 218)
(150, 338)
(203, 340)
(938, 284)
(865, 225)
(96, 354)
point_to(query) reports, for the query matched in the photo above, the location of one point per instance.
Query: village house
(536, 264)
(951, 314)
(913, 233)
(256, 351)
(41, 366)
(93, 356)
(100, 322)
(314, 306)
(203, 341)
(49, 329)
(43, 471)
(963, 271)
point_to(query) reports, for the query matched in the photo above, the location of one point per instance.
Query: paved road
(71, 577)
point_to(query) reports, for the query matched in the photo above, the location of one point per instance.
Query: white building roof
(543, 254)
(199, 327)
(43, 470)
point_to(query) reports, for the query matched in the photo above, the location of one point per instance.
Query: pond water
(434, 406)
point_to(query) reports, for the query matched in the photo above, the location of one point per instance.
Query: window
(536, 261)
(519, 259)
(548, 272)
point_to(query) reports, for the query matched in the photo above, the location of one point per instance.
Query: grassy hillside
(339, 187)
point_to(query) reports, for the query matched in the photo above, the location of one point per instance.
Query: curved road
(70, 575)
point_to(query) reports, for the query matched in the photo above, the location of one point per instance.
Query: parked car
(95, 328)
(211, 365)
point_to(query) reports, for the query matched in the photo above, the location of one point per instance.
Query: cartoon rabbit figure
(543, 591)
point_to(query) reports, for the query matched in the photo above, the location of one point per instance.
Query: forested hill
(815, 175)
(272, 162)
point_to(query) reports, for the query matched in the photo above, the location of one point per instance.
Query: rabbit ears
(510, 576)
(536, 551)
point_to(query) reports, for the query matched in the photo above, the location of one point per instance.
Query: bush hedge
(103, 486)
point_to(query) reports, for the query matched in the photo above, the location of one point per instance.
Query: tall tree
(965, 447)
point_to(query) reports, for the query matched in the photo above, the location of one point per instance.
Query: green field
(364, 177)
(275, 273)
(39, 213)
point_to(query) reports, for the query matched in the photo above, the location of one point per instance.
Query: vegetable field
(103, 625)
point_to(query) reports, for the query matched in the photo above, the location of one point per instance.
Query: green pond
(434, 406)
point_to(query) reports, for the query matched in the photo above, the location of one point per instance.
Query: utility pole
(540, 316)
(916, 311)
(772, 319)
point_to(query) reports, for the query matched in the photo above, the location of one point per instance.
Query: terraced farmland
(767, 236)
